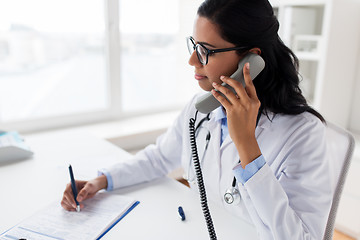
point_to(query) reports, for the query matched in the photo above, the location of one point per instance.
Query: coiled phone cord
(200, 181)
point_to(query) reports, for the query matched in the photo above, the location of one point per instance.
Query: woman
(264, 134)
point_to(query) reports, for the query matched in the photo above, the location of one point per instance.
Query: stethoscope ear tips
(232, 196)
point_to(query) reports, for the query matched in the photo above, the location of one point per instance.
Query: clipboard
(99, 215)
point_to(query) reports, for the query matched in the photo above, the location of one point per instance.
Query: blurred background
(64, 63)
(119, 68)
(67, 63)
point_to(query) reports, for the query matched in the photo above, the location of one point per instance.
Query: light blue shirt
(221, 116)
(110, 184)
(242, 175)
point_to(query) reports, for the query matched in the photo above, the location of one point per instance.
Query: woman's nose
(193, 60)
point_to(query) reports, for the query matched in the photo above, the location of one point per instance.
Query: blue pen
(181, 213)
(73, 187)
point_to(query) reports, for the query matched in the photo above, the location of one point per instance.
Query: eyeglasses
(203, 52)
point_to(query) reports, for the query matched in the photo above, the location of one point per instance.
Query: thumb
(85, 191)
(82, 195)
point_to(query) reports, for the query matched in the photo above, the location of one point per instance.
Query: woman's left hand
(241, 110)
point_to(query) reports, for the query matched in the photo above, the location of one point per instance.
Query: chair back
(340, 148)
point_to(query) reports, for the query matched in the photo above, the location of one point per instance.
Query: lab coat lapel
(226, 142)
(211, 123)
(213, 158)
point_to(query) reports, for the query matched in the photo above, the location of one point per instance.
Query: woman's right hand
(86, 189)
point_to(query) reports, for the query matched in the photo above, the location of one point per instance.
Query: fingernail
(214, 84)
(79, 199)
(247, 65)
(222, 77)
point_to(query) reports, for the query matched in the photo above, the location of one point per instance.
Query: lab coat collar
(219, 114)
(215, 116)
(265, 121)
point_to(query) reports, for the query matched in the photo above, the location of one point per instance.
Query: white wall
(354, 124)
(336, 95)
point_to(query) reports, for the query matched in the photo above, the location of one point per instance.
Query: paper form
(53, 222)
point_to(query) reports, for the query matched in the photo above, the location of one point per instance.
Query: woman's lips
(199, 77)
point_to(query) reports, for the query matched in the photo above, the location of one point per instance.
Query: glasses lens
(190, 45)
(201, 53)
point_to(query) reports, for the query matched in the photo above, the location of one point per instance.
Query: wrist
(248, 152)
(101, 182)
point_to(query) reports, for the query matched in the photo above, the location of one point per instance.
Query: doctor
(265, 135)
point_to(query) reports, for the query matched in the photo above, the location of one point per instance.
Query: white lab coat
(288, 198)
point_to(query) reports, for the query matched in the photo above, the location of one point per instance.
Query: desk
(30, 185)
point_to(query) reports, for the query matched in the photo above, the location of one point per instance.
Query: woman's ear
(255, 50)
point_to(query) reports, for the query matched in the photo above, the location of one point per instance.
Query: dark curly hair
(252, 23)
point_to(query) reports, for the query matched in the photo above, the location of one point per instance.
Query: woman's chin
(206, 87)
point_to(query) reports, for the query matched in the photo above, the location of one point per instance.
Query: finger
(67, 203)
(68, 196)
(81, 206)
(231, 97)
(223, 101)
(69, 200)
(66, 206)
(249, 85)
(79, 186)
(83, 194)
(238, 87)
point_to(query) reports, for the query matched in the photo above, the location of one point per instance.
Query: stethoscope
(232, 194)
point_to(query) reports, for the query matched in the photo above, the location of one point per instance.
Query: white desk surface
(30, 185)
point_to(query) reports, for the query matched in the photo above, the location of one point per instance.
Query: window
(154, 55)
(148, 53)
(52, 61)
(62, 64)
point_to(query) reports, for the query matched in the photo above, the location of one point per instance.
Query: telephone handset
(207, 103)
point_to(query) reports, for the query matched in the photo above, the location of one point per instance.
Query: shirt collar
(219, 114)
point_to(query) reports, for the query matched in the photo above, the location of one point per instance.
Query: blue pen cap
(181, 213)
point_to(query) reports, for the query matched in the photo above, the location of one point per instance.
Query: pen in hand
(73, 187)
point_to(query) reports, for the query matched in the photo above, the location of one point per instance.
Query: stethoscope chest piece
(232, 196)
